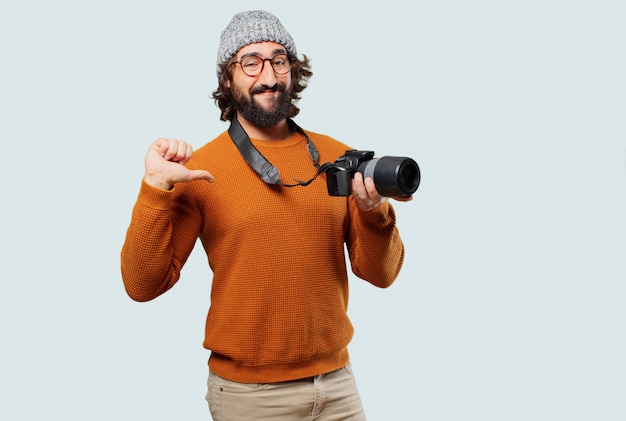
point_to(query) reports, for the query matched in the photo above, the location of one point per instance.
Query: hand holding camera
(393, 176)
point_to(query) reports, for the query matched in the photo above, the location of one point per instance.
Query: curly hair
(223, 96)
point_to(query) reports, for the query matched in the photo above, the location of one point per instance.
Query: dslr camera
(394, 176)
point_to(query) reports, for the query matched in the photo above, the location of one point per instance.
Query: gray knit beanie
(249, 27)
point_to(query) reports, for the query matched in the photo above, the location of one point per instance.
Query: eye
(251, 62)
(280, 60)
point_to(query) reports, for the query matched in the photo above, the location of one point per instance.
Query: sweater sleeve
(160, 238)
(374, 245)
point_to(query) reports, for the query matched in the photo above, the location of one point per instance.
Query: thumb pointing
(200, 175)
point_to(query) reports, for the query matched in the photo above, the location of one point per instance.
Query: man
(277, 327)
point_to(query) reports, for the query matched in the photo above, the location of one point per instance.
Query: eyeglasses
(253, 65)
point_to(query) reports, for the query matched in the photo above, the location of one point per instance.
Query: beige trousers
(327, 397)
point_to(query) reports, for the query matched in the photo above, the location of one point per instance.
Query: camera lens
(408, 176)
(393, 175)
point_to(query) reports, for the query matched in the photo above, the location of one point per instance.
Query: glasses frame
(263, 60)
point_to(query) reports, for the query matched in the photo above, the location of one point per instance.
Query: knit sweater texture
(279, 294)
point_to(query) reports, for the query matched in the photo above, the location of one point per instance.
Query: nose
(267, 76)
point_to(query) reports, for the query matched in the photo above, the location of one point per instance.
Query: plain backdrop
(510, 305)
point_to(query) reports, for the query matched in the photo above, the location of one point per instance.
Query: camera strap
(265, 169)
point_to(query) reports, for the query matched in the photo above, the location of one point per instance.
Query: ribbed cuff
(153, 197)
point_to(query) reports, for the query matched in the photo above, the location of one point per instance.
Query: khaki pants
(327, 397)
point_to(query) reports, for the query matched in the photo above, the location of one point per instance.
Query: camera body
(394, 176)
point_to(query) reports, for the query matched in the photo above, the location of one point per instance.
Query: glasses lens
(281, 64)
(252, 65)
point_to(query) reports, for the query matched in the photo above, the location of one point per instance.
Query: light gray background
(510, 305)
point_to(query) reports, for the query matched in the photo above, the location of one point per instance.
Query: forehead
(263, 49)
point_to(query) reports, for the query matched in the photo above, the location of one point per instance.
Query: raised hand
(165, 161)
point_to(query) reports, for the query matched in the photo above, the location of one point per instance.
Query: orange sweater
(280, 286)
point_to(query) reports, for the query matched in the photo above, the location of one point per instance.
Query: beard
(255, 113)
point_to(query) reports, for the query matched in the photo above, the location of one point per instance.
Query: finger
(360, 194)
(160, 145)
(201, 175)
(403, 198)
(358, 189)
(168, 148)
(370, 187)
(183, 152)
(173, 148)
(188, 153)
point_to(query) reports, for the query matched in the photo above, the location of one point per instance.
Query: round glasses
(253, 65)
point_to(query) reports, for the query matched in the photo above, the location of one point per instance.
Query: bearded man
(277, 328)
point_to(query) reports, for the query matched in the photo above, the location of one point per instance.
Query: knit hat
(250, 27)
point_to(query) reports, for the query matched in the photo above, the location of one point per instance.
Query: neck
(279, 131)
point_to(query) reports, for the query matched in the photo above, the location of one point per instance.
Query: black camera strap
(265, 169)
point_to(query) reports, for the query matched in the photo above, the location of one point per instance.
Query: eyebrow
(256, 53)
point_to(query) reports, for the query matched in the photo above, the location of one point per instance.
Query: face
(264, 100)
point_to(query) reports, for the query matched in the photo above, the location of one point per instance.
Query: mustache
(278, 87)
